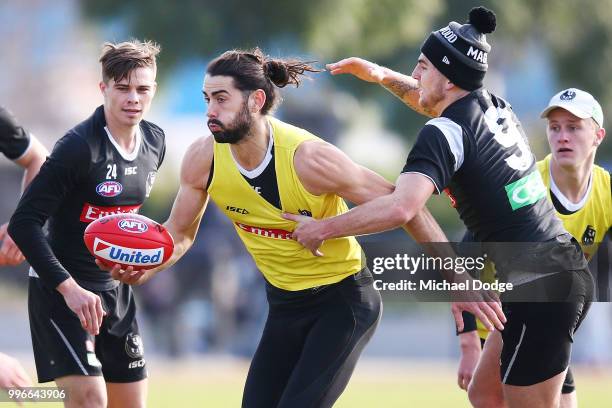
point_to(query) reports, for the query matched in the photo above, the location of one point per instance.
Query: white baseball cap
(577, 102)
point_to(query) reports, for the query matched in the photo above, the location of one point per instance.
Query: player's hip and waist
(554, 302)
(355, 289)
(119, 293)
(524, 262)
(81, 266)
(361, 275)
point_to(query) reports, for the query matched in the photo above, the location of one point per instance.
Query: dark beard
(236, 131)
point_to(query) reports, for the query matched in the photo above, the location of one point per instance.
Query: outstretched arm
(405, 87)
(380, 213)
(323, 168)
(187, 210)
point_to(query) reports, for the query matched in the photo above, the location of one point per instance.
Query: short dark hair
(252, 70)
(118, 60)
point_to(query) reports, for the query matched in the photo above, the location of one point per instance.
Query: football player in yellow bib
(322, 309)
(582, 196)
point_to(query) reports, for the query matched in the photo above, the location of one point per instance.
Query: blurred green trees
(576, 33)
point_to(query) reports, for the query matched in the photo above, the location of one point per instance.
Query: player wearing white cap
(581, 194)
(476, 149)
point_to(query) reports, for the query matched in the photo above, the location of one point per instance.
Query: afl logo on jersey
(133, 225)
(109, 188)
(133, 345)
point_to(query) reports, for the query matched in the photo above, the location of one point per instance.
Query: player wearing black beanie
(460, 52)
(475, 150)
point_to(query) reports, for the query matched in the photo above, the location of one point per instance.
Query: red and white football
(129, 239)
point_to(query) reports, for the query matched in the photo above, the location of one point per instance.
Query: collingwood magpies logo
(588, 238)
(568, 95)
(133, 345)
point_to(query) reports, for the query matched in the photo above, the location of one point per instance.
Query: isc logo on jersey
(127, 256)
(132, 225)
(109, 188)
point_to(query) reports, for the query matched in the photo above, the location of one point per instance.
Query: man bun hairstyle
(118, 60)
(460, 51)
(252, 70)
(277, 72)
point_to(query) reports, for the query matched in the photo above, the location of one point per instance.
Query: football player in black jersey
(24, 149)
(580, 193)
(84, 329)
(476, 150)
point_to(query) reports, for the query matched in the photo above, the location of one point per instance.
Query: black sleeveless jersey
(265, 184)
(477, 152)
(14, 140)
(87, 176)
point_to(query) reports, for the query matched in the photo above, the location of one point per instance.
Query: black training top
(478, 153)
(265, 183)
(14, 140)
(87, 176)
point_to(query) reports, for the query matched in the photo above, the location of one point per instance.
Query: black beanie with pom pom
(460, 51)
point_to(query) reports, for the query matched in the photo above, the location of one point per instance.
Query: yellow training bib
(266, 235)
(590, 223)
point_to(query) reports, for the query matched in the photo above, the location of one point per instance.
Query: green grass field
(217, 383)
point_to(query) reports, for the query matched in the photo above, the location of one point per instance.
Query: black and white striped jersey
(477, 152)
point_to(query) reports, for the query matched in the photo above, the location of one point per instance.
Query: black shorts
(62, 347)
(311, 343)
(568, 384)
(538, 336)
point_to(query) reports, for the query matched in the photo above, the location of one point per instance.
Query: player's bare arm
(405, 87)
(323, 168)
(380, 214)
(192, 198)
(469, 343)
(187, 210)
